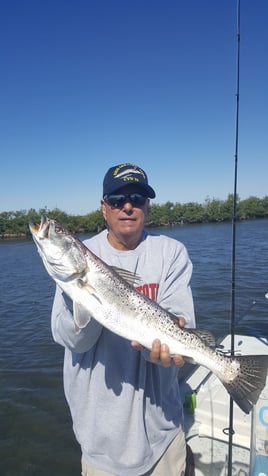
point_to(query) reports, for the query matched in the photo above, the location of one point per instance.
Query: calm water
(36, 431)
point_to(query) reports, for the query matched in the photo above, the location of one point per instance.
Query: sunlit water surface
(36, 435)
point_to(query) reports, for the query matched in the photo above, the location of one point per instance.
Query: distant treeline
(15, 224)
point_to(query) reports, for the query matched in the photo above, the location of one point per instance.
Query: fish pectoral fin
(206, 336)
(85, 285)
(81, 316)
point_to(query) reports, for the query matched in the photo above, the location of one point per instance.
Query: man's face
(125, 212)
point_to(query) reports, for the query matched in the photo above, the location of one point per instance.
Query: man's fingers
(160, 352)
(155, 351)
(165, 355)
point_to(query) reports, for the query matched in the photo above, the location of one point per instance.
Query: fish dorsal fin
(128, 276)
(206, 336)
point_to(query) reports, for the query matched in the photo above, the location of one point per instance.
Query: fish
(109, 296)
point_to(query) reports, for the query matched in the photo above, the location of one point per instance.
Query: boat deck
(207, 425)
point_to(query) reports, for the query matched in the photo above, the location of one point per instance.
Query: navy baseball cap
(126, 174)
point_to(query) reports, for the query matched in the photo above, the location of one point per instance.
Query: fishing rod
(234, 220)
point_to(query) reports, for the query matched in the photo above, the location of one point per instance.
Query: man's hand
(161, 352)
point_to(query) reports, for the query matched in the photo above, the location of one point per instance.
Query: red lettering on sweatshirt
(149, 290)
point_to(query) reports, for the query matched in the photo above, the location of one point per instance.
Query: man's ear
(103, 208)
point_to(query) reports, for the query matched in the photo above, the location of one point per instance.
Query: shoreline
(23, 235)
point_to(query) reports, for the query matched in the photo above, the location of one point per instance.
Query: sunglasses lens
(117, 201)
(137, 200)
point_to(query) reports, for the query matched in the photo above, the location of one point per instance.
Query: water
(36, 435)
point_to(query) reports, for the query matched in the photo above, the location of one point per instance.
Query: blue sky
(87, 84)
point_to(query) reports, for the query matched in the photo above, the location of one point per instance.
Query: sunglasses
(117, 201)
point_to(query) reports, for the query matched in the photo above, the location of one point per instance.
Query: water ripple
(36, 431)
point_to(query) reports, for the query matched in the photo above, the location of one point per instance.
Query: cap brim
(149, 191)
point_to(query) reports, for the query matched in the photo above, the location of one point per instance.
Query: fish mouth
(42, 230)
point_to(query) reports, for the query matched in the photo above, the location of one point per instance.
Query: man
(124, 400)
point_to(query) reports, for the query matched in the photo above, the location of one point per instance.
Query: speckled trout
(108, 295)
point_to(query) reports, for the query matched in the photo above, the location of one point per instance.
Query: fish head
(59, 250)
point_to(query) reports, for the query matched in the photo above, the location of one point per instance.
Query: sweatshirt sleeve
(63, 327)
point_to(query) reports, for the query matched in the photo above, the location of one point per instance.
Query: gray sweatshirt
(125, 409)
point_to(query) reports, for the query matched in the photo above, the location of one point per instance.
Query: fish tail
(249, 382)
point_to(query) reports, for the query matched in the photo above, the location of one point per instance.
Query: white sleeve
(63, 327)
